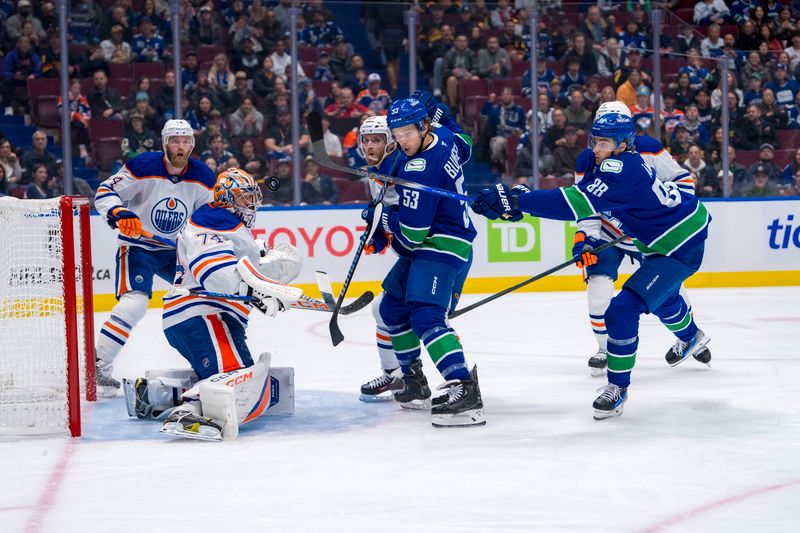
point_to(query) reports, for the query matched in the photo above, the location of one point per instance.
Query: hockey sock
(115, 331)
(599, 290)
(622, 322)
(676, 315)
(383, 338)
(405, 344)
(446, 352)
(440, 340)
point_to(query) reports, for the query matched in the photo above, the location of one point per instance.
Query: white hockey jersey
(163, 202)
(604, 226)
(209, 247)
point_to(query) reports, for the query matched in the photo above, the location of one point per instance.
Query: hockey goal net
(46, 318)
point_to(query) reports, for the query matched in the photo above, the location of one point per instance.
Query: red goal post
(46, 315)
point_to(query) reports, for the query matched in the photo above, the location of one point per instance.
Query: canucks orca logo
(168, 215)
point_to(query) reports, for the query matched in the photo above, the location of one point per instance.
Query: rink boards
(751, 243)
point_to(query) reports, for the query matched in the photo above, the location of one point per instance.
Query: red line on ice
(48, 495)
(712, 506)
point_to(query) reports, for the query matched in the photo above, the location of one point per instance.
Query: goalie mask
(238, 192)
(375, 126)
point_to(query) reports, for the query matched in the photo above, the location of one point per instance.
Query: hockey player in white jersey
(217, 254)
(376, 145)
(152, 194)
(601, 270)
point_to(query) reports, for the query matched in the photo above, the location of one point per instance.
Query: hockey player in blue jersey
(433, 237)
(153, 193)
(669, 227)
(601, 270)
(377, 146)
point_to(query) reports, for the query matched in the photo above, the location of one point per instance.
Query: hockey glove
(380, 241)
(498, 201)
(126, 221)
(583, 250)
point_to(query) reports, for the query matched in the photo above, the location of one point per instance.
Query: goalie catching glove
(126, 221)
(271, 296)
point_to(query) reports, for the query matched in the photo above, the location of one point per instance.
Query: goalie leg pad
(237, 397)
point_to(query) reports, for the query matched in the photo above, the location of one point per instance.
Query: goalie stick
(528, 281)
(305, 303)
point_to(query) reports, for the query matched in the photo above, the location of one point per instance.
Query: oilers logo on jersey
(169, 215)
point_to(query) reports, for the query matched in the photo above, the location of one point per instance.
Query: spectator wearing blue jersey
(632, 37)
(791, 171)
(323, 71)
(573, 78)
(785, 89)
(544, 75)
(322, 32)
(740, 12)
(505, 118)
(19, 65)
(147, 46)
(793, 119)
(698, 133)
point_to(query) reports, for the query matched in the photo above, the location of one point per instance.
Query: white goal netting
(34, 334)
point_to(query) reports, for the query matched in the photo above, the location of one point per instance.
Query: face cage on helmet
(246, 212)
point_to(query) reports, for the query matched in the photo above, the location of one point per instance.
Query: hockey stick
(323, 159)
(528, 281)
(162, 240)
(305, 303)
(325, 288)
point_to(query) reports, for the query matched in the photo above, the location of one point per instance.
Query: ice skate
(461, 405)
(415, 393)
(610, 402)
(695, 348)
(107, 387)
(383, 387)
(136, 398)
(184, 423)
(598, 363)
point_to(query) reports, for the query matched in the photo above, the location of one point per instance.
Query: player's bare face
(603, 148)
(374, 147)
(409, 138)
(179, 148)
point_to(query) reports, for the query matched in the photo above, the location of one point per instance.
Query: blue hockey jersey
(662, 218)
(425, 225)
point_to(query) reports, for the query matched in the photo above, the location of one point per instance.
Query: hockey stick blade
(305, 303)
(323, 159)
(326, 289)
(528, 281)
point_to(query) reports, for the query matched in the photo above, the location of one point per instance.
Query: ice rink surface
(697, 449)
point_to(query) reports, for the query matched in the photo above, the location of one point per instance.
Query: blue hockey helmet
(615, 126)
(405, 112)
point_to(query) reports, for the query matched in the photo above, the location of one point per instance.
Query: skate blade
(597, 372)
(376, 398)
(602, 415)
(130, 397)
(417, 405)
(176, 430)
(466, 419)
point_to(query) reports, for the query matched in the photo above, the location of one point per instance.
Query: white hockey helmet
(613, 107)
(175, 127)
(375, 125)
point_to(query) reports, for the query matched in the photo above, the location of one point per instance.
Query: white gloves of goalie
(271, 296)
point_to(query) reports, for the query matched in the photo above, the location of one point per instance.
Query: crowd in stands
(236, 75)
